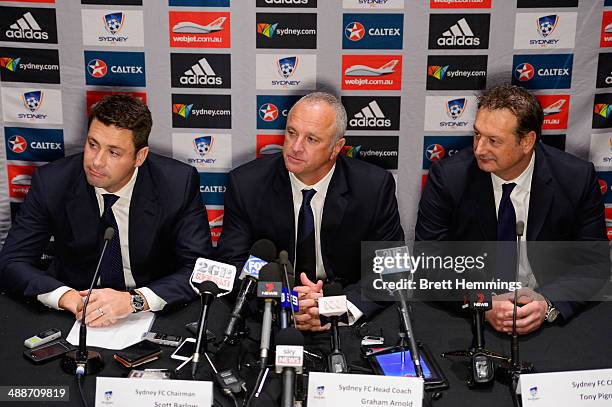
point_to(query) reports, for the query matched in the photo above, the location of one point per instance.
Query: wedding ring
(101, 312)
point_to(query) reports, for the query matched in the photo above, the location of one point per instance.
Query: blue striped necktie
(111, 268)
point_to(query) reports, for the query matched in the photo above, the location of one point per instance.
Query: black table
(584, 343)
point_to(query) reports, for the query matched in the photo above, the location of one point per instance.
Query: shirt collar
(321, 186)
(523, 181)
(125, 192)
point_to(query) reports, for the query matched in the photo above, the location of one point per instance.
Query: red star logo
(524, 72)
(97, 68)
(354, 31)
(18, 144)
(268, 112)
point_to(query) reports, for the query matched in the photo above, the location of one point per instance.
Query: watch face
(137, 302)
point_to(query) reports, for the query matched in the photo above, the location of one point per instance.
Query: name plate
(329, 389)
(580, 388)
(119, 392)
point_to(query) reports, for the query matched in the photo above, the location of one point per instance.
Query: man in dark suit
(510, 176)
(326, 203)
(152, 202)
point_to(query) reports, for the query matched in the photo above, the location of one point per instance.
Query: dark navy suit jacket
(565, 204)
(168, 230)
(360, 205)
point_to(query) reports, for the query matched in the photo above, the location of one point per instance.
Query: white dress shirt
(317, 203)
(121, 210)
(520, 200)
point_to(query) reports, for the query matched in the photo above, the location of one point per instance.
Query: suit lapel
(83, 211)
(540, 197)
(333, 211)
(482, 189)
(283, 212)
(144, 216)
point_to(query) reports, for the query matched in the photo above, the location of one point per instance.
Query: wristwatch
(551, 312)
(137, 300)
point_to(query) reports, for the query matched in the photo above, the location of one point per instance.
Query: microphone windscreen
(109, 233)
(209, 287)
(264, 249)
(270, 272)
(283, 257)
(289, 336)
(332, 289)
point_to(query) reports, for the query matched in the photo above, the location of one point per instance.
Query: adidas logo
(370, 116)
(26, 27)
(460, 34)
(201, 74)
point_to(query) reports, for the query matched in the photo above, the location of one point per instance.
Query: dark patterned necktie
(111, 268)
(305, 256)
(506, 232)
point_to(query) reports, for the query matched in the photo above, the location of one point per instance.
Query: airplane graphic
(364, 70)
(194, 28)
(554, 108)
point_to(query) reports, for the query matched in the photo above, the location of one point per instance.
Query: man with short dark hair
(315, 204)
(510, 176)
(152, 203)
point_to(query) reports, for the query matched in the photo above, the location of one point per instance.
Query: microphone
(269, 288)
(262, 252)
(82, 362)
(208, 291)
(289, 300)
(333, 307)
(289, 361)
(514, 347)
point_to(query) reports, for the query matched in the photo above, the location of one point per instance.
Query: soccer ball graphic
(203, 147)
(32, 102)
(546, 28)
(455, 110)
(286, 69)
(114, 25)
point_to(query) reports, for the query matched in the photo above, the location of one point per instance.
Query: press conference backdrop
(220, 75)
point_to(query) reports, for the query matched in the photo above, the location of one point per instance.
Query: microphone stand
(406, 332)
(481, 371)
(83, 362)
(513, 368)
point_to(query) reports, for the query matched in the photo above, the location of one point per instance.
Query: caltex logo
(268, 112)
(354, 31)
(113, 22)
(287, 66)
(455, 108)
(435, 152)
(524, 72)
(266, 30)
(182, 110)
(18, 144)
(97, 68)
(33, 100)
(10, 63)
(203, 145)
(547, 24)
(437, 72)
(603, 109)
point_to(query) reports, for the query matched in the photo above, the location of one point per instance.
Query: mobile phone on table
(48, 352)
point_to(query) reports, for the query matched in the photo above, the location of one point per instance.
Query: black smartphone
(48, 352)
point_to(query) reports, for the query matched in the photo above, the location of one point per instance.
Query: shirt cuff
(155, 302)
(52, 298)
(353, 313)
